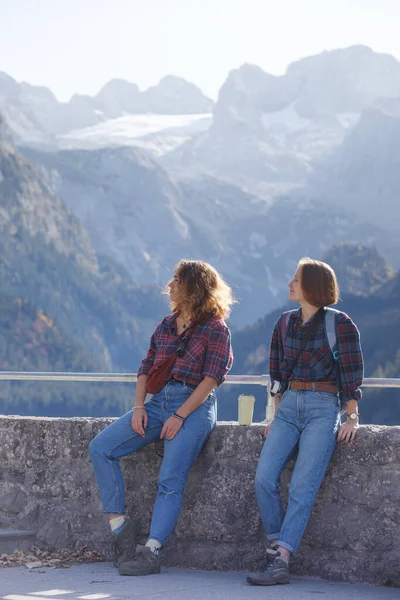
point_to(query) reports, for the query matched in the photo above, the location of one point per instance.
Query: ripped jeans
(119, 439)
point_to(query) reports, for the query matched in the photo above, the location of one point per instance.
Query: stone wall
(47, 484)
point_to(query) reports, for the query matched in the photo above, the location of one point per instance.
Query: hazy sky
(77, 45)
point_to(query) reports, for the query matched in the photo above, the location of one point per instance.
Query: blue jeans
(311, 420)
(119, 439)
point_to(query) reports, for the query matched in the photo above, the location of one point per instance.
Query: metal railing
(263, 380)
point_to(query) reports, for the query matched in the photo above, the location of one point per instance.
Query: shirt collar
(297, 319)
(170, 321)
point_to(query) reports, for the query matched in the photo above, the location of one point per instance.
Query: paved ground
(101, 582)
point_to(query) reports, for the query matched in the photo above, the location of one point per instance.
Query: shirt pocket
(195, 352)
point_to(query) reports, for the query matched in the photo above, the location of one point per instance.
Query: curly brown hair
(203, 293)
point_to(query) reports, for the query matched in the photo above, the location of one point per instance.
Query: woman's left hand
(347, 431)
(171, 428)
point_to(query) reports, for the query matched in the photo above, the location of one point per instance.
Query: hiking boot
(144, 563)
(274, 571)
(124, 544)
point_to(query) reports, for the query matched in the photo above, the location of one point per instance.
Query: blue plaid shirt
(316, 362)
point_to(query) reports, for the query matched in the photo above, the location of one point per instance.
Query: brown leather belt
(313, 386)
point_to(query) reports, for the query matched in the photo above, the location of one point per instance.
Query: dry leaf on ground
(40, 557)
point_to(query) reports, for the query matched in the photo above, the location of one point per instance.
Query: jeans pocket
(327, 397)
(189, 387)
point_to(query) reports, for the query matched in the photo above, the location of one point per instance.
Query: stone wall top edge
(220, 424)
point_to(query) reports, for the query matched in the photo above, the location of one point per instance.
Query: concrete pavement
(101, 581)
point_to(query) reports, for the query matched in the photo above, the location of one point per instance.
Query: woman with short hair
(182, 413)
(311, 385)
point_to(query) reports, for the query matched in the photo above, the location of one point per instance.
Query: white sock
(154, 545)
(286, 560)
(116, 523)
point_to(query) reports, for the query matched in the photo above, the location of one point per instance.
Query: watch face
(353, 416)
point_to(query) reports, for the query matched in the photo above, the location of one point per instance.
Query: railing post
(269, 413)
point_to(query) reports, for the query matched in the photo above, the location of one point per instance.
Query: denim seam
(115, 479)
(118, 494)
(278, 504)
(310, 501)
(117, 486)
(278, 498)
(190, 461)
(121, 509)
(187, 464)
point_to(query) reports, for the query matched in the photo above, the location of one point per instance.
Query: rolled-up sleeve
(147, 362)
(219, 356)
(351, 363)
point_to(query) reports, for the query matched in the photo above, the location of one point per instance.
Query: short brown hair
(203, 292)
(318, 282)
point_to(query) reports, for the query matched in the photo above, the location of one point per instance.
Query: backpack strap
(330, 330)
(331, 316)
(284, 324)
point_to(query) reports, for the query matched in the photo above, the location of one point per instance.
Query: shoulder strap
(331, 315)
(184, 338)
(284, 324)
(330, 330)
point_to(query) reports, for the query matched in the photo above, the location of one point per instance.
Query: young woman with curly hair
(183, 413)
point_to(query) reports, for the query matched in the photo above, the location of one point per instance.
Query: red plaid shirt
(208, 352)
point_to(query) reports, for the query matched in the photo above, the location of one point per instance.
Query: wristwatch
(353, 416)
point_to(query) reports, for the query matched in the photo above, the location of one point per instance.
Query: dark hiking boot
(124, 544)
(144, 563)
(274, 571)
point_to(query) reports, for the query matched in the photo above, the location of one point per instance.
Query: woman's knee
(95, 447)
(171, 484)
(266, 480)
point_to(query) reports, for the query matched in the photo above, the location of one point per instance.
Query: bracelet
(133, 407)
(178, 417)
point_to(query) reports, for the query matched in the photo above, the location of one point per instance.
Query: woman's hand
(139, 421)
(171, 428)
(266, 432)
(277, 399)
(347, 431)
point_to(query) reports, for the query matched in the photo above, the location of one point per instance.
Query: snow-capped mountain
(158, 134)
(37, 118)
(268, 131)
(265, 134)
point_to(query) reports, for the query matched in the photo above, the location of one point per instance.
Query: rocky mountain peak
(360, 269)
(37, 92)
(117, 87)
(9, 88)
(171, 83)
(175, 95)
(344, 80)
